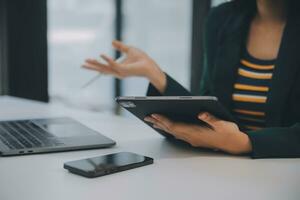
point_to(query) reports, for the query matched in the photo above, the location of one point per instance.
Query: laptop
(31, 136)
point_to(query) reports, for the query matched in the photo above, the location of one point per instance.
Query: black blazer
(225, 36)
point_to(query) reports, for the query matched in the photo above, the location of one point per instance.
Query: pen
(92, 80)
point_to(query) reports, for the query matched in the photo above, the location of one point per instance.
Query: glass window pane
(163, 30)
(79, 29)
(218, 2)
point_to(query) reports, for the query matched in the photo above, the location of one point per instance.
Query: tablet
(177, 108)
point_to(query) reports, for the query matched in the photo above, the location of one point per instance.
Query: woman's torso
(250, 92)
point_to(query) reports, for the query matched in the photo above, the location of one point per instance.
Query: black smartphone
(107, 164)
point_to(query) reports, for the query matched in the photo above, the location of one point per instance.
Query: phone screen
(107, 164)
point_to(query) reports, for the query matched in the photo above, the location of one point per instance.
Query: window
(163, 30)
(76, 30)
(218, 2)
(79, 29)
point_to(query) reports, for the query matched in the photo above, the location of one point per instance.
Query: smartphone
(107, 164)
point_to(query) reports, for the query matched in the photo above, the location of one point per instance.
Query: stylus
(92, 80)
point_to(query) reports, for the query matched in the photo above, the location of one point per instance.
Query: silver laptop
(48, 135)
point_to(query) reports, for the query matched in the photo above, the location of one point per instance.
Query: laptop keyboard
(25, 134)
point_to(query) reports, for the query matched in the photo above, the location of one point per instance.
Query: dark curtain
(25, 50)
(3, 48)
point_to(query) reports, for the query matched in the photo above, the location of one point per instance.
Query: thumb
(208, 118)
(120, 46)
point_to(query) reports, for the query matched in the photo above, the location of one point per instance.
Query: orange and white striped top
(251, 91)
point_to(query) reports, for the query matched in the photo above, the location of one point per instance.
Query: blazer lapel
(231, 42)
(286, 66)
(225, 74)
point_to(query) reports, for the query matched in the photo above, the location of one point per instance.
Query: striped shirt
(250, 92)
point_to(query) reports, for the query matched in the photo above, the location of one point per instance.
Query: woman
(251, 64)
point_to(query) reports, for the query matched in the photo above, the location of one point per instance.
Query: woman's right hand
(136, 63)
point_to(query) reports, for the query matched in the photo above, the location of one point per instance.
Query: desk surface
(179, 172)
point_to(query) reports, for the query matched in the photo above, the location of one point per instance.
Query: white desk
(178, 172)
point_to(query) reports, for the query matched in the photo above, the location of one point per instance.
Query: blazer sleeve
(173, 88)
(281, 142)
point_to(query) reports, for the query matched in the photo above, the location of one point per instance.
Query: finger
(90, 60)
(163, 128)
(120, 46)
(208, 118)
(157, 127)
(155, 122)
(164, 120)
(150, 120)
(160, 126)
(178, 130)
(95, 62)
(101, 69)
(91, 66)
(109, 60)
(182, 131)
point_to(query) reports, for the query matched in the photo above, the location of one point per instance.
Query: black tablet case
(181, 109)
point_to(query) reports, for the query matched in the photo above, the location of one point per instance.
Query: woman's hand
(225, 135)
(137, 63)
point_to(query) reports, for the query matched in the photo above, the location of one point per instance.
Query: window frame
(200, 12)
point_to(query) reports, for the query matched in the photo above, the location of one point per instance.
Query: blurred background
(44, 43)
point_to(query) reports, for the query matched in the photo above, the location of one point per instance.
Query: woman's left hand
(225, 135)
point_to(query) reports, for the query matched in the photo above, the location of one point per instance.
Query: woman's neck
(271, 11)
